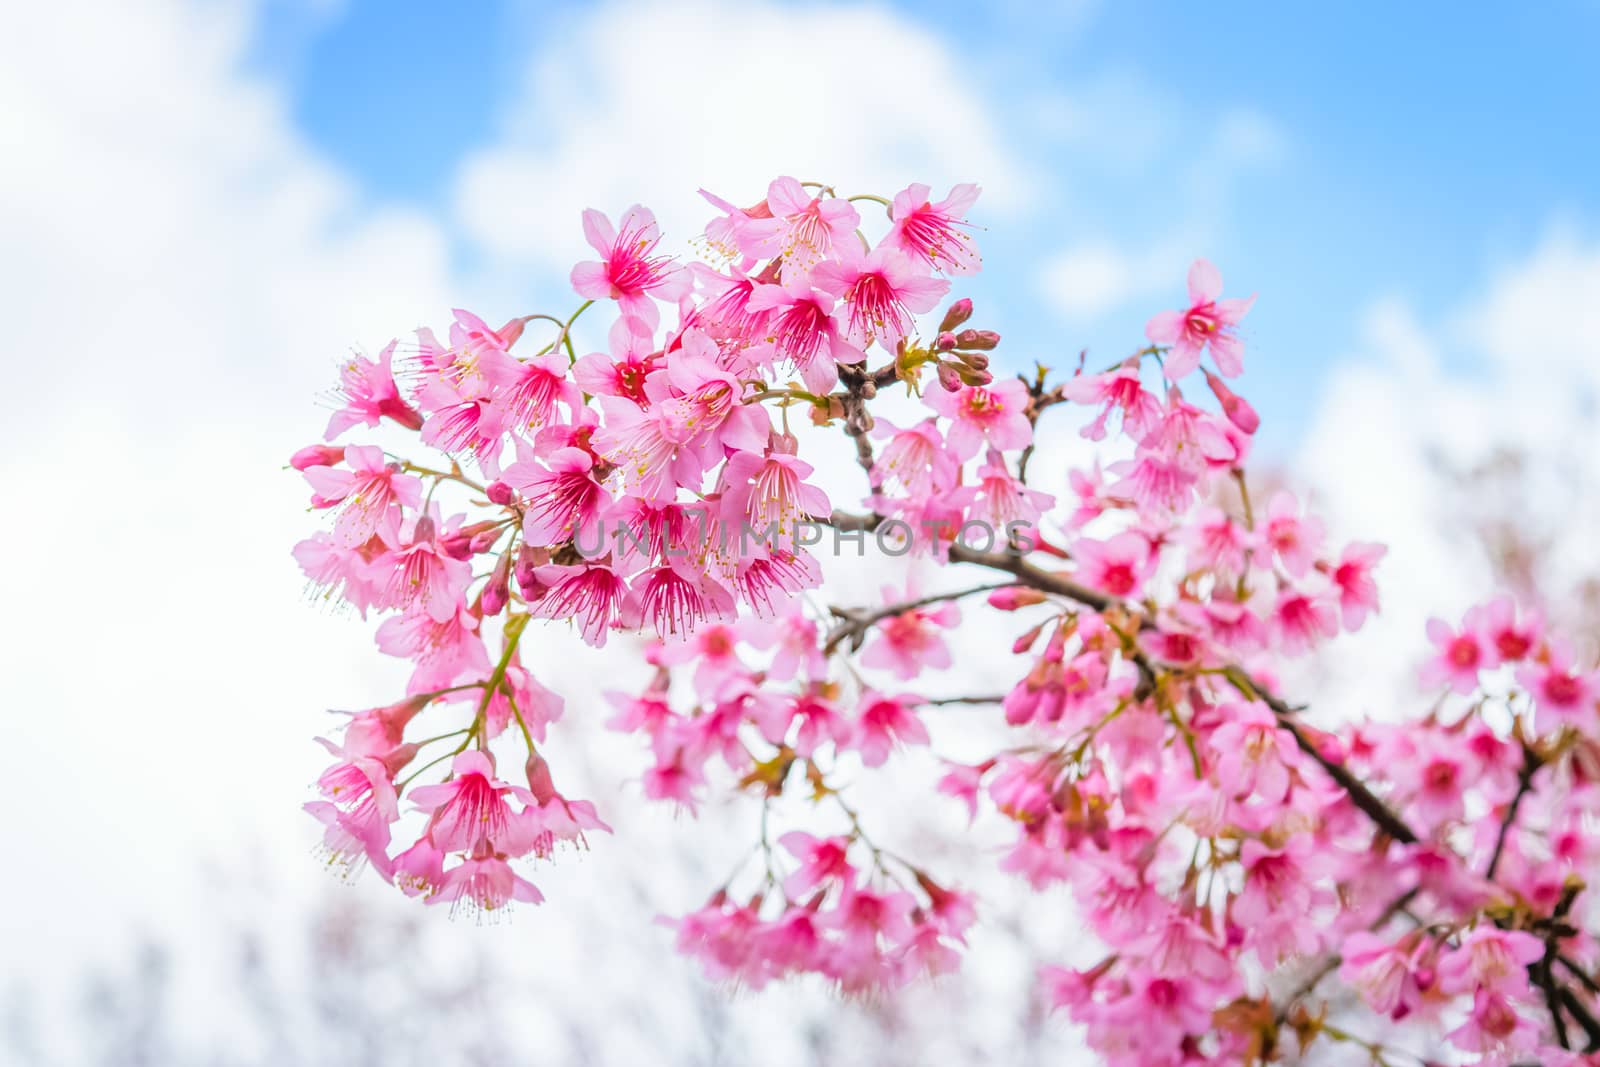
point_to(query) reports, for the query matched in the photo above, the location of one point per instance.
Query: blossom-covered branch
(1228, 855)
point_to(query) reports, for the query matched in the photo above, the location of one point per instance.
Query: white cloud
(644, 102)
(181, 274)
(1089, 280)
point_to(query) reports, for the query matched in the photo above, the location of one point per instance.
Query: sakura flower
(674, 779)
(1216, 541)
(1305, 615)
(863, 918)
(996, 413)
(369, 393)
(1119, 566)
(562, 496)
(1495, 1028)
(797, 651)
(419, 870)
(484, 885)
(470, 812)
(1358, 593)
(1275, 904)
(1513, 638)
(442, 651)
(1118, 389)
(337, 573)
(822, 859)
(881, 291)
(820, 724)
(935, 233)
(914, 461)
(768, 582)
(963, 782)
(420, 572)
(1254, 755)
(592, 596)
(704, 408)
(1384, 973)
(1562, 693)
(371, 491)
(802, 328)
(1490, 958)
(768, 495)
(359, 806)
(623, 372)
(649, 463)
(909, 642)
(1461, 655)
(461, 421)
(526, 392)
(628, 270)
(803, 229)
(883, 723)
(676, 603)
(1158, 484)
(1295, 540)
(1207, 321)
(1004, 504)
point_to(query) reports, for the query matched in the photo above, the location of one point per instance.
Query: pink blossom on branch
(1257, 881)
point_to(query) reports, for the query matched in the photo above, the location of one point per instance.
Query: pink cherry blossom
(629, 271)
(1126, 686)
(935, 233)
(1119, 566)
(802, 230)
(370, 394)
(370, 494)
(995, 414)
(881, 292)
(883, 723)
(1208, 322)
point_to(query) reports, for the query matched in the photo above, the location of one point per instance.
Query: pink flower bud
(949, 377)
(1013, 597)
(316, 456)
(540, 784)
(497, 593)
(981, 339)
(1236, 407)
(457, 546)
(945, 342)
(500, 493)
(529, 559)
(958, 313)
(1027, 640)
(511, 331)
(484, 540)
(975, 360)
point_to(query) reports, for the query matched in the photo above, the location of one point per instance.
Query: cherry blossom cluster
(1260, 888)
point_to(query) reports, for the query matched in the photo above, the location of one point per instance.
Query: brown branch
(856, 623)
(1363, 797)
(1531, 762)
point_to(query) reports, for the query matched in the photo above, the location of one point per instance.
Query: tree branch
(1531, 762)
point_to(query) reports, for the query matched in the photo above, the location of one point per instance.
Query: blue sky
(1388, 150)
